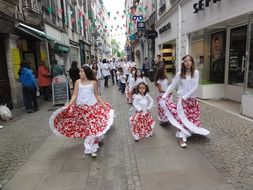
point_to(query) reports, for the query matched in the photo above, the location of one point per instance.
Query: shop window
(217, 62)
(250, 75)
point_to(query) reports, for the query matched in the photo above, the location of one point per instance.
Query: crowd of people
(89, 117)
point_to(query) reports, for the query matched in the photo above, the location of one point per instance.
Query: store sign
(151, 34)
(140, 25)
(165, 28)
(202, 4)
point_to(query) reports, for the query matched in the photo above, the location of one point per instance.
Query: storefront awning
(61, 48)
(43, 36)
(34, 32)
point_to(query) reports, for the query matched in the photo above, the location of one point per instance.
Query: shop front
(218, 34)
(221, 45)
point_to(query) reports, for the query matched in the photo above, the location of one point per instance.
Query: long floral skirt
(83, 121)
(161, 112)
(142, 125)
(185, 116)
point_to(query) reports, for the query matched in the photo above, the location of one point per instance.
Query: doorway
(236, 63)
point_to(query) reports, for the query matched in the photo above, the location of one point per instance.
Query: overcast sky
(113, 6)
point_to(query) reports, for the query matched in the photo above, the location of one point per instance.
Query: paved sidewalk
(154, 163)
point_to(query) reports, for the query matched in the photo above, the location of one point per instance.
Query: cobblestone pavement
(19, 138)
(228, 147)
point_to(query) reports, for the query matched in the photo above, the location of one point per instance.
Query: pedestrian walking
(29, 87)
(45, 81)
(105, 68)
(146, 67)
(74, 72)
(130, 80)
(142, 122)
(162, 84)
(185, 115)
(86, 116)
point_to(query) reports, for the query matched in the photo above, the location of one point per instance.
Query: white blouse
(187, 88)
(164, 83)
(143, 103)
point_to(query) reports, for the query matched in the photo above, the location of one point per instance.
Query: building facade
(218, 33)
(35, 30)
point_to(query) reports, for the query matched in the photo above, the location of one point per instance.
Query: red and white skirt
(128, 94)
(161, 112)
(83, 121)
(142, 125)
(185, 116)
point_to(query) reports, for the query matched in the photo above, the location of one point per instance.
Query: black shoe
(29, 111)
(35, 109)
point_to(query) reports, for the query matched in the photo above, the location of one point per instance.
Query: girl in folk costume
(162, 84)
(142, 123)
(129, 83)
(86, 115)
(138, 78)
(185, 115)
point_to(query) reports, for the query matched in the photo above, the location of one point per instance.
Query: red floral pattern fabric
(80, 121)
(142, 124)
(161, 113)
(191, 109)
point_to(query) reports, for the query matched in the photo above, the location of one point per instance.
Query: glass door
(249, 63)
(237, 56)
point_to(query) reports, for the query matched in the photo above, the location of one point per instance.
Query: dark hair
(54, 62)
(142, 83)
(158, 56)
(89, 73)
(94, 66)
(160, 74)
(104, 61)
(24, 64)
(135, 74)
(183, 69)
(74, 64)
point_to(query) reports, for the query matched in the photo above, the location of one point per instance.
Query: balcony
(162, 8)
(32, 11)
(32, 5)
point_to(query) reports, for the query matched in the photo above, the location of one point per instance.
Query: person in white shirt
(185, 115)
(122, 80)
(105, 67)
(113, 70)
(138, 77)
(142, 122)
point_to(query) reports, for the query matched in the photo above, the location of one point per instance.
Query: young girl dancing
(86, 115)
(185, 115)
(162, 84)
(142, 123)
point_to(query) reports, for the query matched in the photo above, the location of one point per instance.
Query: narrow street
(32, 158)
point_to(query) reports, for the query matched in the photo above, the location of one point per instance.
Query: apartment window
(73, 18)
(162, 7)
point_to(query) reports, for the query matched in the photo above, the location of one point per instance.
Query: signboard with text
(60, 90)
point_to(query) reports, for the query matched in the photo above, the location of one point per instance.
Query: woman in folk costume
(86, 116)
(142, 122)
(185, 115)
(162, 84)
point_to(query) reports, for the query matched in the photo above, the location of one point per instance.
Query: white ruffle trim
(193, 128)
(172, 120)
(89, 141)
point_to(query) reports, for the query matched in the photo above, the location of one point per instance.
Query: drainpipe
(179, 38)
